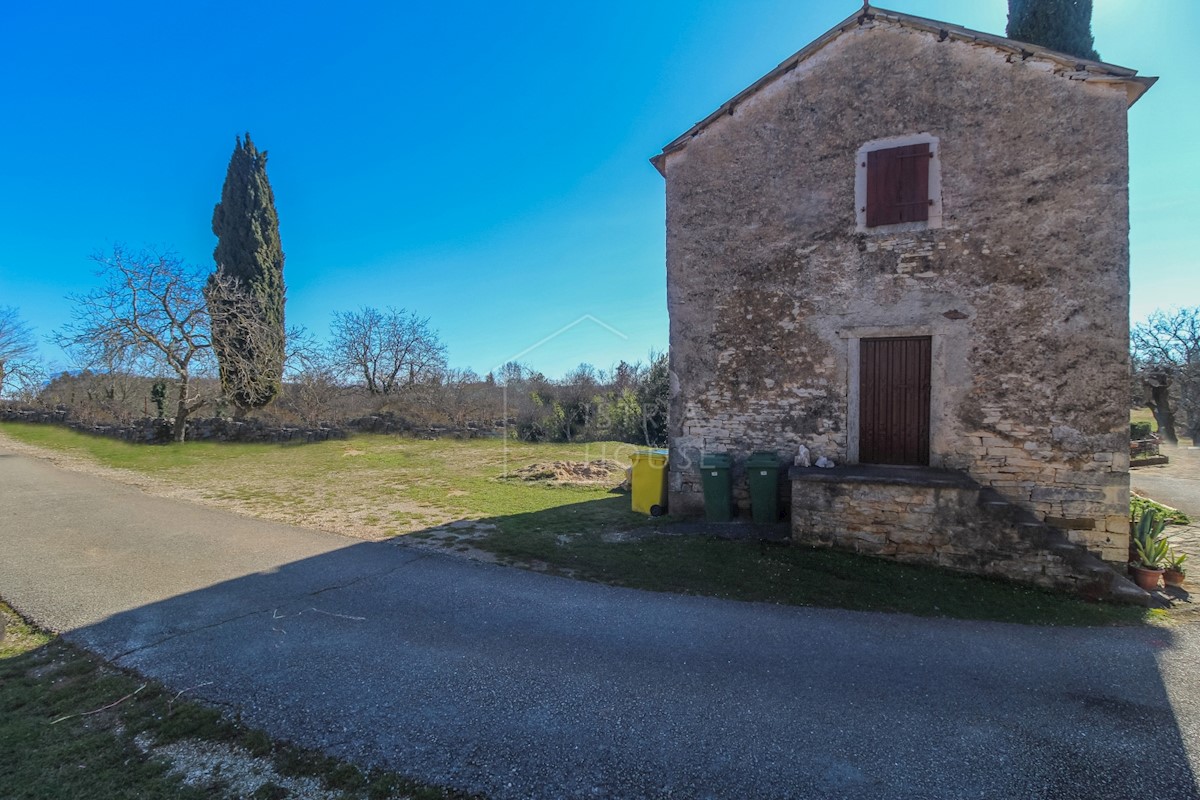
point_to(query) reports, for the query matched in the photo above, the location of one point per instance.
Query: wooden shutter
(898, 185)
(893, 400)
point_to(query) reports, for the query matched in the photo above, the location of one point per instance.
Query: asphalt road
(520, 685)
(1177, 483)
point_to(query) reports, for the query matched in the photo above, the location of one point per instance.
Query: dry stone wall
(150, 430)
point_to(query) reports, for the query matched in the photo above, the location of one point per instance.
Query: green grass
(657, 559)
(55, 746)
(384, 485)
(400, 483)
(1140, 505)
(42, 680)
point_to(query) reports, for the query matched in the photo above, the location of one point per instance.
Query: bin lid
(762, 458)
(716, 461)
(651, 456)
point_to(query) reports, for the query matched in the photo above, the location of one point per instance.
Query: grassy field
(369, 486)
(456, 494)
(85, 729)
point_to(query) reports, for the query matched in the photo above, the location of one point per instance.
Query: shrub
(1139, 505)
(1140, 430)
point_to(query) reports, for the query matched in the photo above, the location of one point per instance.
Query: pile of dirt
(599, 471)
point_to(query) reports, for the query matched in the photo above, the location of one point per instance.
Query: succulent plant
(1152, 554)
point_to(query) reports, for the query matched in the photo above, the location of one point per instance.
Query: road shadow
(514, 684)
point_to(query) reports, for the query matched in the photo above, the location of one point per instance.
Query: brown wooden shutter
(898, 185)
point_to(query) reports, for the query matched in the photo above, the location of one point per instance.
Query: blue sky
(481, 164)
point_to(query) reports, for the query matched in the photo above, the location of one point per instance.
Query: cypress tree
(1063, 25)
(247, 323)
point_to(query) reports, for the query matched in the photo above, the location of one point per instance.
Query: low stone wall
(151, 430)
(942, 518)
(219, 429)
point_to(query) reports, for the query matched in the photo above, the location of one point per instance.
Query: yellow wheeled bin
(649, 483)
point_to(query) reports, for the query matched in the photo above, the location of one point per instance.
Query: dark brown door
(894, 400)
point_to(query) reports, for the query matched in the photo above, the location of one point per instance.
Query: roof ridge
(1101, 70)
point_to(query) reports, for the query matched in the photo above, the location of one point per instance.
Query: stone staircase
(1097, 579)
(946, 518)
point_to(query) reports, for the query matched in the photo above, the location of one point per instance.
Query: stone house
(906, 247)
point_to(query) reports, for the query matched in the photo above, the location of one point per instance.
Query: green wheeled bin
(762, 473)
(715, 474)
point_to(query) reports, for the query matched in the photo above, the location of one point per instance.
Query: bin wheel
(657, 511)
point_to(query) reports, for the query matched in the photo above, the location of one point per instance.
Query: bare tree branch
(1166, 354)
(20, 367)
(386, 350)
(150, 316)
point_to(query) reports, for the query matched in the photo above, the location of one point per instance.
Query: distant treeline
(626, 403)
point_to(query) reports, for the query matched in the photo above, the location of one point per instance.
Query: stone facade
(944, 518)
(1019, 278)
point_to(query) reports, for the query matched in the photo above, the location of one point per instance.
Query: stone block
(1071, 477)
(1090, 539)
(1115, 555)
(1117, 524)
(1064, 493)
(1072, 523)
(911, 537)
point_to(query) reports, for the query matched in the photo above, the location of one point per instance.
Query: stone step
(1085, 565)
(1123, 590)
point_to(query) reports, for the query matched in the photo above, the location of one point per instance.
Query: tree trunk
(1160, 405)
(181, 413)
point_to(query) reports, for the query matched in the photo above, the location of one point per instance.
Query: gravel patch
(229, 769)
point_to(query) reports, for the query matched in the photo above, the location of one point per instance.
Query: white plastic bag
(802, 457)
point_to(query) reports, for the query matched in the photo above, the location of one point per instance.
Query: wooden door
(894, 400)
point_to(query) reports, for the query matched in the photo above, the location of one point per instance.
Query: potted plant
(1151, 548)
(1174, 574)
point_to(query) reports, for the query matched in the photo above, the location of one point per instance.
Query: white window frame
(935, 183)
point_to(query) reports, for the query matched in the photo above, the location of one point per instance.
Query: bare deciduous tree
(386, 350)
(311, 386)
(149, 315)
(20, 367)
(1166, 348)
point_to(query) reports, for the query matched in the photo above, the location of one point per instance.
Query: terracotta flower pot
(1173, 577)
(1146, 578)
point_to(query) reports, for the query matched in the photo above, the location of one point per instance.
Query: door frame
(937, 383)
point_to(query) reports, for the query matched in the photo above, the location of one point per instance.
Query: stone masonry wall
(1023, 289)
(937, 525)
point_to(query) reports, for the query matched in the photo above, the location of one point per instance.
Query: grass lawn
(383, 485)
(73, 727)
(370, 486)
